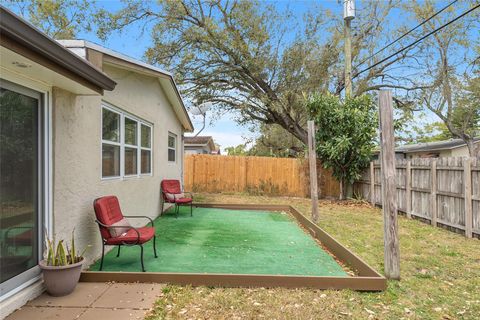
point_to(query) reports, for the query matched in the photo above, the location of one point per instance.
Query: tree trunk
(342, 189)
(473, 148)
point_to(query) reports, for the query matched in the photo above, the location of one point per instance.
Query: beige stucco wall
(460, 152)
(442, 154)
(77, 156)
(456, 152)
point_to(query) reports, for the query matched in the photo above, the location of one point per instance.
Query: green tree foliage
(240, 150)
(275, 141)
(449, 70)
(247, 57)
(345, 134)
(241, 56)
(60, 19)
(435, 131)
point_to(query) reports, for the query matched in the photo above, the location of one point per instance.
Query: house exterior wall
(426, 154)
(460, 152)
(455, 152)
(77, 156)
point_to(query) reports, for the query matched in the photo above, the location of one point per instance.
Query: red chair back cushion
(170, 186)
(107, 211)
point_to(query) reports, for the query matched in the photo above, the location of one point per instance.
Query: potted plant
(61, 267)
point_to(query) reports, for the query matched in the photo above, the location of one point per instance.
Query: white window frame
(131, 146)
(123, 145)
(146, 149)
(174, 136)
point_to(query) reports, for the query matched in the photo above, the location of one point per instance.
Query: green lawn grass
(228, 241)
(440, 275)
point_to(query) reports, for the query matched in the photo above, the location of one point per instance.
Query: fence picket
(444, 191)
(408, 188)
(275, 176)
(468, 197)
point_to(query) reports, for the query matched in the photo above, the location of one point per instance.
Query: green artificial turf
(227, 241)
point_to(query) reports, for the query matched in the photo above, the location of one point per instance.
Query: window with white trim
(146, 149)
(126, 145)
(172, 147)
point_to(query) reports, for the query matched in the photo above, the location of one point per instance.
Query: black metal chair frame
(137, 242)
(177, 206)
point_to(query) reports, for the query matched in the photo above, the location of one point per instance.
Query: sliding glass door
(20, 184)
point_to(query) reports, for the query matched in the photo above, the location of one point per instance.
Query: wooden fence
(255, 175)
(443, 191)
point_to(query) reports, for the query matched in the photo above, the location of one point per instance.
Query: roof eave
(123, 61)
(23, 32)
(195, 144)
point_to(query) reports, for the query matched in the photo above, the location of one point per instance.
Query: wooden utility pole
(348, 16)
(389, 189)
(312, 160)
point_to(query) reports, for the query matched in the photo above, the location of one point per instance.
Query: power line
(418, 40)
(407, 33)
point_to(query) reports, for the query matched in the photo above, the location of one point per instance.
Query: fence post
(389, 188)
(433, 192)
(312, 159)
(372, 183)
(467, 169)
(408, 188)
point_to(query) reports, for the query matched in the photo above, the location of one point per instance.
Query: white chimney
(348, 9)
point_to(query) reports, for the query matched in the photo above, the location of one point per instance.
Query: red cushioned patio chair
(115, 229)
(172, 193)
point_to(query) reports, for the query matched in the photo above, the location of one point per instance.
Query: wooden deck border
(366, 278)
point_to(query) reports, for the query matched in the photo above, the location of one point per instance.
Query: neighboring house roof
(433, 146)
(42, 49)
(199, 141)
(122, 61)
(430, 146)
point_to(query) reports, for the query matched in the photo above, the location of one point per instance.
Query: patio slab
(94, 301)
(110, 314)
(46, 313)
(129, 296)
(83, 296)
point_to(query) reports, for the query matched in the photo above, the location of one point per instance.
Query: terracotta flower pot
(61, 280)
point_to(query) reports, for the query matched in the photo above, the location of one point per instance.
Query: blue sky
(225, 130)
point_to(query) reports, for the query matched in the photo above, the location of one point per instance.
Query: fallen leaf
(369, 311)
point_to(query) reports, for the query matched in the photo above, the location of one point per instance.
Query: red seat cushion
(183, 200)
(146, 233)
(107, 211)
(171, 186)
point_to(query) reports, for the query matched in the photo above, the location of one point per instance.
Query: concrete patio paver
(128, 295)
(94, 301)
(83, 296)
(46, 313)
(110, 314)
